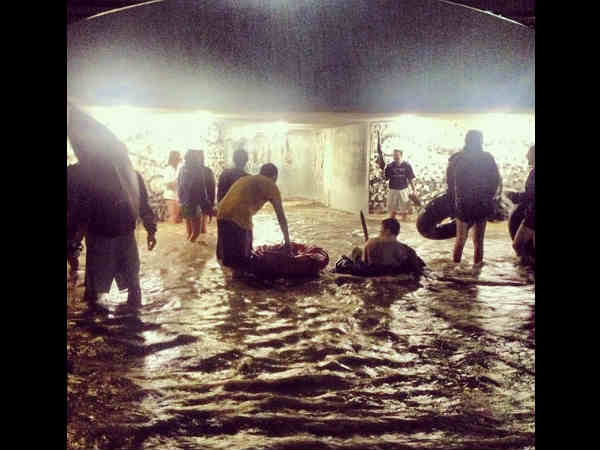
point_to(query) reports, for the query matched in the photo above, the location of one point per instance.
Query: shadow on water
(214, 362)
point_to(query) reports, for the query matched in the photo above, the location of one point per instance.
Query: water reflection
(213, 362)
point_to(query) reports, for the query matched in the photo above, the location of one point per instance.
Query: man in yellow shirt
(234, 215)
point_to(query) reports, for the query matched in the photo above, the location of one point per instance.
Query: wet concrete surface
(209, 362)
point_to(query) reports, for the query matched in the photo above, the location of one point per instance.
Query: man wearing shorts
(170, 192)
(234, 216)
(400, 174)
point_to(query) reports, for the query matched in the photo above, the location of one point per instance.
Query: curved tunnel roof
(365, 56)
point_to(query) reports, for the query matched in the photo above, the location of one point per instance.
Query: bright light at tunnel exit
(498, 128)
(268, 129)
(181, 130)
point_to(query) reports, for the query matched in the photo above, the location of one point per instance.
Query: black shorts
(474, 211)
(234, 244)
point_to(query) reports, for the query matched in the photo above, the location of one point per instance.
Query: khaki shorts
(398, 201)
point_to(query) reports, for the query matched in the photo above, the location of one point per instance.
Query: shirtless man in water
(385, 250)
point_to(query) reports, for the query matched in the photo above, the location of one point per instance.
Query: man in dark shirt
(230, 176)
(400, 174)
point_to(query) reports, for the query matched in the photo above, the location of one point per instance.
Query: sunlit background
(300, 149)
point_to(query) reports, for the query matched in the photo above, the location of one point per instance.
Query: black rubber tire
(436, 211)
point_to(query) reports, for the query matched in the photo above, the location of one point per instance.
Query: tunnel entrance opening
(329, 158)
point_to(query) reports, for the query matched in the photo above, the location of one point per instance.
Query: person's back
(476, 180)
(106, 212)
(230, 176)
(385, 253)
(388, 252)
(75, 177)
(209, 183)
(234, 215)
(477, 176)
(246, 197)
(227, 179)
(191, 183)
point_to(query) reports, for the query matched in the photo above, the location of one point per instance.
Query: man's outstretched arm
(282, 220)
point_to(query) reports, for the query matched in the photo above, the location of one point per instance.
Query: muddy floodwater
(209, 362)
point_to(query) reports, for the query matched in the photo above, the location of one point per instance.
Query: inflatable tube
(436, 211)
(441, 208)
(270, 261)
(414, 266)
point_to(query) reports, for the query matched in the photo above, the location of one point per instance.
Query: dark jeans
(234, 244)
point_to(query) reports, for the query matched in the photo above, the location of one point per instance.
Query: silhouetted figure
(231, 175)
(526, 231)
(234, 218)
(209, 182)
(106, 198)
(74, 247)
(194, 188)
(170, 193)
(473, 180)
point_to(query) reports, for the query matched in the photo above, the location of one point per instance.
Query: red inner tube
(272, 260)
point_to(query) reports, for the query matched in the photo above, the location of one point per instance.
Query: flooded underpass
(209, 362)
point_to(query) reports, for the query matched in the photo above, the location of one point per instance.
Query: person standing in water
(235, 211)
(526, 231)
(231, 175)
(105, 200)
(170, 192)
(193, 194)
(473, 180)
(400, 175)
(209, 186)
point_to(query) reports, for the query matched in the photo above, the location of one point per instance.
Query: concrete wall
(329, 166)
(346, 169)
(298, 174)
(296, 154)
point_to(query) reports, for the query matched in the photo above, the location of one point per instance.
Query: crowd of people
(106, 198)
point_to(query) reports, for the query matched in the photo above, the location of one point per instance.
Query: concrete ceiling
(522, 11)
(302, 56)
